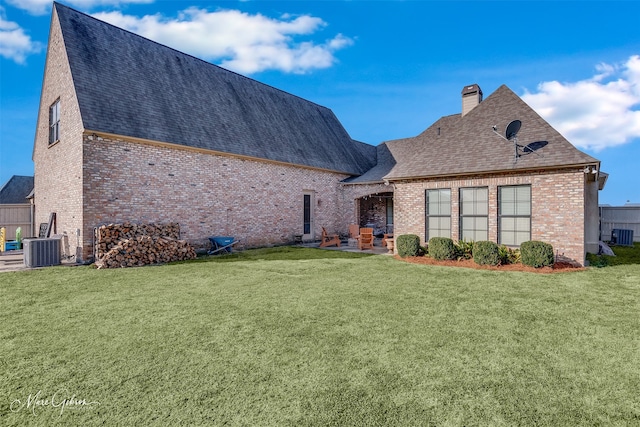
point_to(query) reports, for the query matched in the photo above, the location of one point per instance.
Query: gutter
(492, 172)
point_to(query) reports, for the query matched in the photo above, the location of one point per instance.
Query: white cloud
(237, 40)
(596, 113)
(14, 43)
(35, 7)
(42, 7)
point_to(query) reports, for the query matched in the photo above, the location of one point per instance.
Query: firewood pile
(129, 245)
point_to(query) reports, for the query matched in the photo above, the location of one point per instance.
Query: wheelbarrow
(221, 244)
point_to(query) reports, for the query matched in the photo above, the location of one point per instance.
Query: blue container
(13, 245)
(222, 240)
(219, 242)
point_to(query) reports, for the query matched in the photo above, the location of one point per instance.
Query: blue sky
(388, 69)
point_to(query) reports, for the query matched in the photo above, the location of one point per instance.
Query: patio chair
(366, 239)
(354, 231)
(329, 240)
(354, 235)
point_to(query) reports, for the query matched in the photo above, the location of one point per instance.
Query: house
(16, 210)
(463, 178)
(130, 130)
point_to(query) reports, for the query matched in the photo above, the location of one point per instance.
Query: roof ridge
(188, 54)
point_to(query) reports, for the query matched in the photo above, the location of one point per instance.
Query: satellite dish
(512, 129)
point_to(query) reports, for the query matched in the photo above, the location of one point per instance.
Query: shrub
(464, 249)
(536, 254)
(508, 255)
(442, 248)
(408, 245)
(486, 253)
(597, 261)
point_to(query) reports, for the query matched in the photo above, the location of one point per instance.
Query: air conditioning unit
(41, 252)
(622, 237)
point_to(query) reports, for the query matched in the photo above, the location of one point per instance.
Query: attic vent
(471, 96)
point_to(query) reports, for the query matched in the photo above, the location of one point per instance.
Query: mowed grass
(304, 337)
(624, 255)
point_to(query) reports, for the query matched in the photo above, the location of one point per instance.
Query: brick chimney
(471, 96)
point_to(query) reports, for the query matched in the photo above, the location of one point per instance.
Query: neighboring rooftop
(131, 86)
(16, 190)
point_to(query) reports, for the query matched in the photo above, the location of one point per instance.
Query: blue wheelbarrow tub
(221, 243)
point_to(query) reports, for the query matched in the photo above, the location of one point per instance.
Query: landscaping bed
(558, 267)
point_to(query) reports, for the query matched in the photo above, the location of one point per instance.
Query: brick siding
(58, 167)
(256, 201)
(557, 204)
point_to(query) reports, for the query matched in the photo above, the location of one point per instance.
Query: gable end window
(514, 210)
(438, 211)
(54, 122)
(474, 214)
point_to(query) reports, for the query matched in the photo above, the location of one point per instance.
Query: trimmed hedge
(408, 245)
(441, 248)
(536, 254)
(486, 253)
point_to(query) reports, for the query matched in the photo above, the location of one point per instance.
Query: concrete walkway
(12, 261)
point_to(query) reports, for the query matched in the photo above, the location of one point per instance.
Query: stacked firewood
(129, 245)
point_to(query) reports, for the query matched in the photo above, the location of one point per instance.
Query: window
(474, 214)
(54, 122)
(514, 210)
(306, 225)
(438, 213)
(390, 215)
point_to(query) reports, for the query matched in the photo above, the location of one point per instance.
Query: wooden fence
(14, 216)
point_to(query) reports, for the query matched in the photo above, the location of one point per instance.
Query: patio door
(389, 209)
(307, 216)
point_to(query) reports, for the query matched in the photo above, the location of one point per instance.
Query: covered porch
(375, 211)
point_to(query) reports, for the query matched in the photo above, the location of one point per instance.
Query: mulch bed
(558, 267)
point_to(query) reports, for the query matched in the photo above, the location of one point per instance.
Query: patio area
(378, 249)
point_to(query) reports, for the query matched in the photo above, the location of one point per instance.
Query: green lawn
(305, 337)
(624, 255)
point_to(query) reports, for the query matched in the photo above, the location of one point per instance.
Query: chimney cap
(471, 89)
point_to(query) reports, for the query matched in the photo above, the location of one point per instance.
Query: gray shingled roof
(385, 162)
(16, 190)
(131, 86)
(457, 145)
